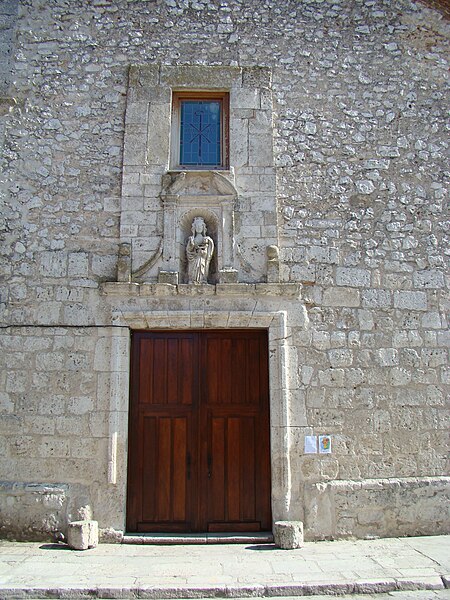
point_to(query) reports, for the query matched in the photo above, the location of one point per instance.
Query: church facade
(224, 246)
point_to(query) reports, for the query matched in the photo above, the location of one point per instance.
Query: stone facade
(330, 227)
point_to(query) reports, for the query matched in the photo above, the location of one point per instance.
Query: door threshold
(264, 537)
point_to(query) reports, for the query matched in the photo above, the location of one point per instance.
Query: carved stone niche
(186, 195)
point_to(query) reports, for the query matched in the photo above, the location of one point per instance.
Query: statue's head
(199, 225)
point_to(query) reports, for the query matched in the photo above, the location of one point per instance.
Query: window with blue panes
(202, 137)
(200, 133)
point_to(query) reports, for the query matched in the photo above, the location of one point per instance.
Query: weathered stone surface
(82, 535)
(45, 505)
(341, 297)
(288, 535)
(409, 507)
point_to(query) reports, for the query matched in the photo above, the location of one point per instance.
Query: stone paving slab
(33, 570)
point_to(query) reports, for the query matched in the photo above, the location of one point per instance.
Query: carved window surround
(237, 200)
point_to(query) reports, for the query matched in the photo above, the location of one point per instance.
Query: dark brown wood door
(199, 457)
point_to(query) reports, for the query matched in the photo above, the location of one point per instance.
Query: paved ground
(32, 570)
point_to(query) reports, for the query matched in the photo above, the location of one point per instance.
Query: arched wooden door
(199, 455)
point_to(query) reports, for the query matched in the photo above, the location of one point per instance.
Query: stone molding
(125, 289)
(268, 308)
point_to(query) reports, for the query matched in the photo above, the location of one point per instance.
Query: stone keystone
(82, 535)
(288, 535)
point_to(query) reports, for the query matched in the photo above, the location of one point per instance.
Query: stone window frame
(147, 166)
(178, 95)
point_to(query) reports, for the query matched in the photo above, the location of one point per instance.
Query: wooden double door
(199, 455)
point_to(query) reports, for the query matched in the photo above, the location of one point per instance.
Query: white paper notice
(325, 444)
(310, 444)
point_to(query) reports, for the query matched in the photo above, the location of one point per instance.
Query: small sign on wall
(310, 444)
(317, 444)
(324, 444)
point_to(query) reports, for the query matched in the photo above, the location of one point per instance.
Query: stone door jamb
(281, 377)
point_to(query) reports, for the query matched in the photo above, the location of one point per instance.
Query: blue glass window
(200, 133)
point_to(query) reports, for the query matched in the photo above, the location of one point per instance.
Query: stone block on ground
(288, 535)
(82, 535)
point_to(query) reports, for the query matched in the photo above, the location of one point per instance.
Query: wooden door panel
(166, 370)
(217, 363)
(199, 432)
(216, 470)
(165, 473)
(232, 370)
(148, 472)
(159, 371)
(161, 432)
(233, 462)
(233, 484)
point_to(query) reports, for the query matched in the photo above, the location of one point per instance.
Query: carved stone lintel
(168, 277)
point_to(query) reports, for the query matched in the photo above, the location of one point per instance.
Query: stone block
(351, 277)
(245, 98)
(134, 150)
(387, 357)
(341, 297)
(322, 254)
(82, 535)
(304, 273)
(288, 535)
(260, 150)
(410, 300)
(136, 113)
(376, 298)
(341, 357)
(429, 278)
(53, 264)
(198, 77)
(158, 133)
(228, 276)
(239, 141)
(78, 264)
(170, 277)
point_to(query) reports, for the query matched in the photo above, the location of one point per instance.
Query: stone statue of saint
(199, 251)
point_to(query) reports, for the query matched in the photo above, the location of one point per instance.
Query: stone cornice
(126, 290)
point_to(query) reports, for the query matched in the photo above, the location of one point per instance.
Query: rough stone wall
(56, 405)
(378, 507)
(361, 159)
(8, 21)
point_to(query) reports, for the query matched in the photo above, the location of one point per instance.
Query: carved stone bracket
(273, 264)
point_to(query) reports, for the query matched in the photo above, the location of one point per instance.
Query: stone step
(264, 537)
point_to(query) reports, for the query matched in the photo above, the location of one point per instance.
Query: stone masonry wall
(361, 161)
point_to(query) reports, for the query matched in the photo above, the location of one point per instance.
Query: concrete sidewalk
(37, 570)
